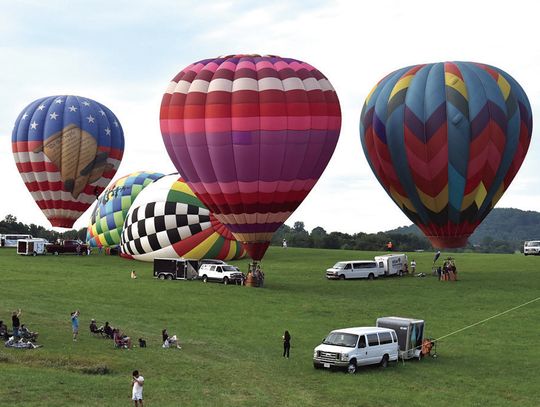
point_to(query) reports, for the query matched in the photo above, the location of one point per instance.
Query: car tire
(351, 367)
(342, 277)
(34, 254)
(400, 273)
(225, 280)
(161, 276)
(56, 253)
(169, 277)
(384, 362)
(205, 278)
(317, 366)
(371, 276)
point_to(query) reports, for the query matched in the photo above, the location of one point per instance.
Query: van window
(385, 337)
(219, 270)
(381, 264)
(212, 268)
(367, 265)
(394, 336)
(348, 266)
(362, 342)
(373, 339)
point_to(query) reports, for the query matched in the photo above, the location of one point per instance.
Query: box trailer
(31, 247)
(176, 269)
(410, 333)
(394, 264)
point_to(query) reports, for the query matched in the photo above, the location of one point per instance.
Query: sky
(123, 54)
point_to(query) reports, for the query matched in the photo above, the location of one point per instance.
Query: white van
(394, 264)
(352, 347)
(355, 269)
(531, 247)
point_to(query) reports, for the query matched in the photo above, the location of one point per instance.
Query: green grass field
(231, 335)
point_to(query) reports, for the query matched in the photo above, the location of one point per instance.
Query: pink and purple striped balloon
(251, 135)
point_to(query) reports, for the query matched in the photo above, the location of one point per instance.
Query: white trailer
(31, 247)
(394, 264)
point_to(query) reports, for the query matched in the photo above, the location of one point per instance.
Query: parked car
(223, 273)
(67, 246)
(531, 247)
(350, 348)
(355, 269)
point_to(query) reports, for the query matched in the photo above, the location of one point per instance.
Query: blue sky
(124, 53)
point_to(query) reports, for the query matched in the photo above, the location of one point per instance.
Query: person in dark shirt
(16, 322)
(107, 330)
(94, 328)
(286, 344)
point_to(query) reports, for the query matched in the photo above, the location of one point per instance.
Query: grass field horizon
(231, 335)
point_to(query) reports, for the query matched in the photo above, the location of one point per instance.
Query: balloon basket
(251, 281)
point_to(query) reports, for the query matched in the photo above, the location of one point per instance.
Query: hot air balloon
(112, 207)
(67, 149)
(251, 135)
(445, 140)
(167, 220)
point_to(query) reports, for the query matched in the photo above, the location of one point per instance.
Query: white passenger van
(394, 264)
(531, 247)
(352, 347)
(355, 269)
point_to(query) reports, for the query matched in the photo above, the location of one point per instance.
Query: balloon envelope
(67, 149)
(112, 207)
(168, 220)
(445, 140)
(251, 135)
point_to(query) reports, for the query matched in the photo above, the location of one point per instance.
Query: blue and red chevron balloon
(251, 135)
(445, 140)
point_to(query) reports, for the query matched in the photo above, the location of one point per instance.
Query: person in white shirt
(413, 266)
(137, 388)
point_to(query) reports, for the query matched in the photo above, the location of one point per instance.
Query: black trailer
(176, 269)
(410, 333)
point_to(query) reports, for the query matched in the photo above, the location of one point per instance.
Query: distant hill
(507, 224)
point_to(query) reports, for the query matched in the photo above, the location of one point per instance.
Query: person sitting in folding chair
(94, 328)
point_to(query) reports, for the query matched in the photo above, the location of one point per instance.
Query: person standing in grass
(137, 388)
(16, 322)
(75, 323)
(286, 344)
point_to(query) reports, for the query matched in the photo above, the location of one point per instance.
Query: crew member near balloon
(251, 135)
(445, 140)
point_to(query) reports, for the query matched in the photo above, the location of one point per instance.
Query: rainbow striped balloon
(445, 140)
(251, 135)
(112, 207)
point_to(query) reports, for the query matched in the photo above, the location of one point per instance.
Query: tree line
(10, 225)
(404, 239)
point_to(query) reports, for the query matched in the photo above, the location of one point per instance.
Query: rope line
(487, 319)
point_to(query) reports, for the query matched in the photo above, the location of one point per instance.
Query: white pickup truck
(222, 273)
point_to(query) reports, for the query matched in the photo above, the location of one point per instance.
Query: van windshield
(340, 265)
(533, 244)
(229, 268)
(341, 339)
